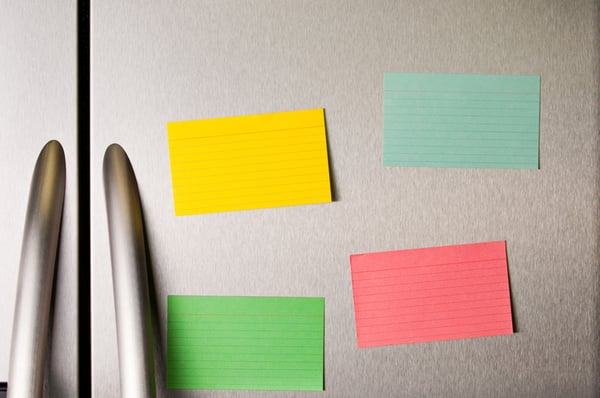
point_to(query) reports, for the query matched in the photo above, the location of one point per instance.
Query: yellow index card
(249, 162)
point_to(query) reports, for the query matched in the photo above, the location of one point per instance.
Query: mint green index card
(454, 120)
(245, 343)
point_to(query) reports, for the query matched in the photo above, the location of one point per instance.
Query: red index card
(431, 294)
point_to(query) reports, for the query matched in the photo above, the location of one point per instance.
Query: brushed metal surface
(130, 279)
(38, 104)
(36, 274)
(160, 61)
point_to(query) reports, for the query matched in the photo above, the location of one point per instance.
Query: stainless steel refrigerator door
(38, 103)
(160, 61)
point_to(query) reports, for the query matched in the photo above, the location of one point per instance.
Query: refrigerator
(38, 81)
(159, 61)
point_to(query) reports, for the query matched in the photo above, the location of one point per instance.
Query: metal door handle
(130, 281)
(36, 274)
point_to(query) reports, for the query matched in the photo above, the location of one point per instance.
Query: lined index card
(455, 120)
(249, 162)
(431, 294)
(245, 343)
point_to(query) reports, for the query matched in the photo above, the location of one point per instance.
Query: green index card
(245, 343)
(454, 120)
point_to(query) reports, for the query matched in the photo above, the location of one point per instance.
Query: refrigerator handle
(129, 273)
(36, 274)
